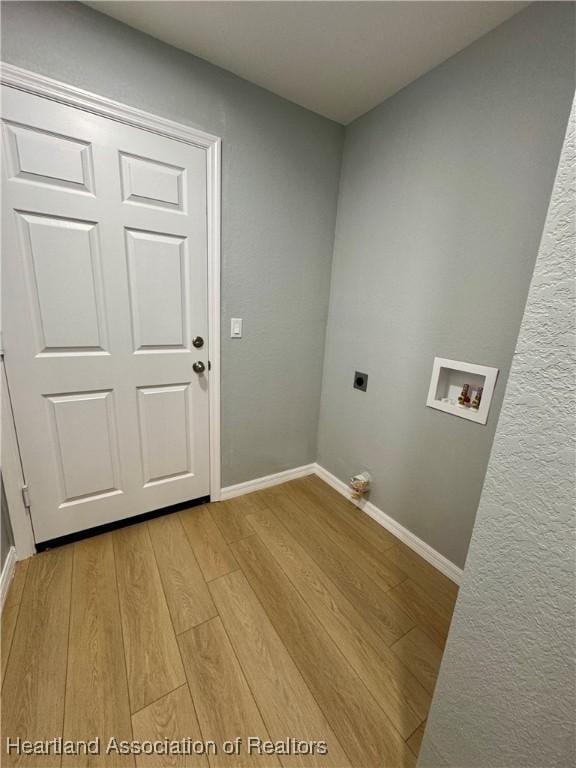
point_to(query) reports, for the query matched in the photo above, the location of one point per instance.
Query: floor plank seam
(242, 538)
(344, 556)
(201, 623)
(119, 609)
(294, 661)
(68, 645)
(351, 669)
(124, 654)
(221, 576)
(155, 701)
(326, 575)
(283, 644)
(311, 608)
(187, 683)
(403, 636)
(171, 624)
(240, 665)
(17, 606)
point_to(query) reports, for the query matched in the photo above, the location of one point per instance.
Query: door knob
(198, 342)
(198, 366)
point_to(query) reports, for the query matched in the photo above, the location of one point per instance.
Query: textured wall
(443, 195)
(281, 166)
(506, 695)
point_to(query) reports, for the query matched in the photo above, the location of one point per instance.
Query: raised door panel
(64, 267)
(165, 432)
(42, 157)
(85, 445)
(151, 182)
(158, 269)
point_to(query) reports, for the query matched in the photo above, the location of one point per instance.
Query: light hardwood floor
(286, 613)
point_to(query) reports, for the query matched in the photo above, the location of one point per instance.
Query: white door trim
(45, 87)
(12, 476)
(8, 570)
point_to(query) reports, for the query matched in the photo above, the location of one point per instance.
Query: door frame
(55, 90)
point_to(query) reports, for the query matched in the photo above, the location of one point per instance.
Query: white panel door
(105, 281)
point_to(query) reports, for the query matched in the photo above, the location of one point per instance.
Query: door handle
(198, 366)
(198, 342)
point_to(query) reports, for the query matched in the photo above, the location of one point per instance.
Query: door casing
(39, 85)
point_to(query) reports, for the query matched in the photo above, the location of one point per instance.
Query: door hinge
(26, 497)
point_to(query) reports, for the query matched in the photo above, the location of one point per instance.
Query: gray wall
(512, 637)
(281, 165)
(443, 194)
(442, 201)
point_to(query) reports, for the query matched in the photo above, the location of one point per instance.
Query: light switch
(235, 327)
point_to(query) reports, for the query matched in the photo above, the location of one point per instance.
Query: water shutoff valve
(360, 484)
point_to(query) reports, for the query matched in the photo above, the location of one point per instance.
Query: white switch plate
(235, 327)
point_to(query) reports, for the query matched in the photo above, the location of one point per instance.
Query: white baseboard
(266, 482)
(7, 575)
(429, 554)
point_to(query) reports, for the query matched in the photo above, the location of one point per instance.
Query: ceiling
(339, 59)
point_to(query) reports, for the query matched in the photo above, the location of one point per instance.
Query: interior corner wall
(280, 171)
(442, 199)
(443, 194)
(506, 694)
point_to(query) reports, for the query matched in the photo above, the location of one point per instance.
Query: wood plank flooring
(95, 653)
(283, 614)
